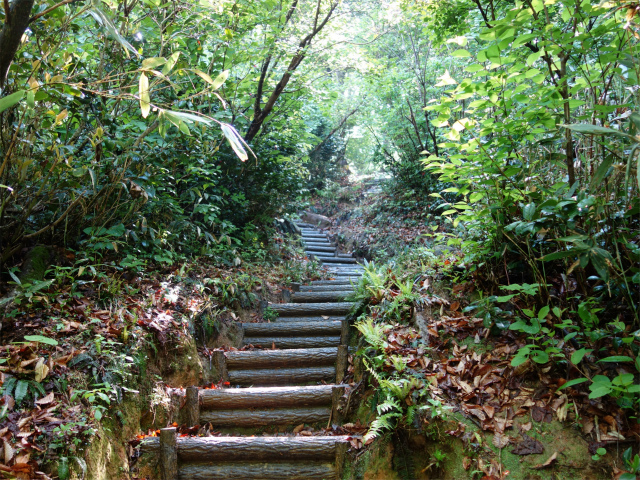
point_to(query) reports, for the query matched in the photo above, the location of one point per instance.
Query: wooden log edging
(342, 362)
(342, 287)
(192, 406)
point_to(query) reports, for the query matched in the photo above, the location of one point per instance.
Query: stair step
(315, 253)
(301, 357)
(330, 282)
(310, 319)
(292, 342)
(344, 287)
(282, 376)
(310, 236)
(329, 259)
(266, 397)
(264, 417)
(305, 470)
(228, 449)
(292, 328)
(320, 249)
(301, 309)
(316, 297)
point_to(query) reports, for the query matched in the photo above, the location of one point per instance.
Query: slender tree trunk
(15, 24)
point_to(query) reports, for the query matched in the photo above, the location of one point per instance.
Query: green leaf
(578, 355)
(589, 129)
(573, 382)
(529, 211)
(543, 312)
(143, 92)
(203, 75)
(20, 393)
(235, 140)
(10, 100)
(616, 358)
(540, 357)
(149, 63)
(220, 79)
(518, 360)
(599, 391)
(40, 339)
(171, 62)
(461, 53)
(108, 25)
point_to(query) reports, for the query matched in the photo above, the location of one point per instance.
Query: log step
(211, 449)
(314, 236)
(264, 417)
(307, 470)
(326, 288)
(326, 327)
(301, 309)
(310, 319)
(329, 259)
(320, 249)
(318, 243)
(315, 297)
(292, 342)
(329, 282)
(266, 397)
(282, 376)
(315, 253)
(302, 357)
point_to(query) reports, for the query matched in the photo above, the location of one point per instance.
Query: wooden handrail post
(342, 362)
(168, 454)
(192, 406)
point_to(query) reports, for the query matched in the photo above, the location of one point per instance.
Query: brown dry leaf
(8, 452)
(549, 461)
(42, 370)
(466, 463)
(525, 427)
(528, 446)
(562, 410)
(500, 440)
(299, 428)
(45, 400)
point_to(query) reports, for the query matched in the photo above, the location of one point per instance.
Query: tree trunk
(16, 23)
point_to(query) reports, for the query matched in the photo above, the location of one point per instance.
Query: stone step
(324, 327)
(316, 297)
(292, 342)
(311, 309)
(282, 376)
(301, 357)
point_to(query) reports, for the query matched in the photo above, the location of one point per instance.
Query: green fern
(380, 424)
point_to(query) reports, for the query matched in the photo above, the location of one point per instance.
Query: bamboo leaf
(10, 100)
(143, 91)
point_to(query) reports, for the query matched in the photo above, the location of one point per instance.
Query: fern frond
(383, 422)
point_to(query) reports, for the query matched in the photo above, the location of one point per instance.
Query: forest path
(292, 379)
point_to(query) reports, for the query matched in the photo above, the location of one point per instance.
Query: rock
(315, 219)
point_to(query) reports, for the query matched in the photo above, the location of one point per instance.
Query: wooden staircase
(295, 379)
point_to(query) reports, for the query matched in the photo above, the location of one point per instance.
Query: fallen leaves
(527, 446)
